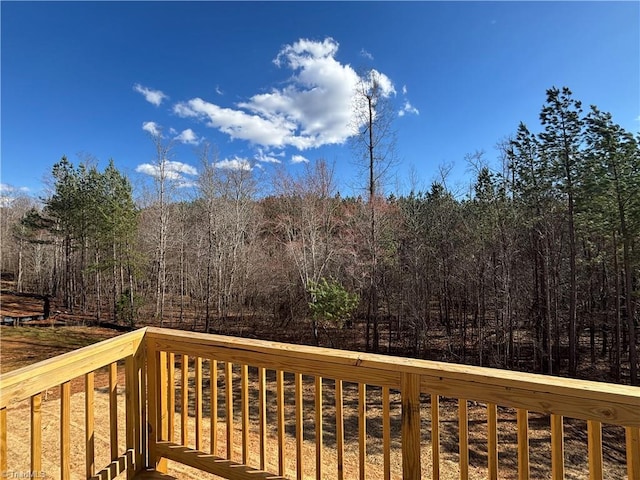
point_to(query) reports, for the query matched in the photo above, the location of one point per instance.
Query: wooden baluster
(262, 400)
(36, 433)
(280, 413)
(213, 385)
(557, 448)
(65, 431)
(362, 429)
(435, 436)
(299, 425)
(143, 400)
(463, 426)
(339, 429)
(198, 402)
(410, 391)
(184, 400)
(113, 410)
(171, 395)
(632, 435)
(386, 433)
(492, 440)
(228, 378)
(3, 440)
(89, 441)
(163, 427)
(523, 444)
(132, 416)
(594, 434)
(318, 427)
(245, 413)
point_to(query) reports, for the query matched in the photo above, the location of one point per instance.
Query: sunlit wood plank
(523, 444)
(89, 424)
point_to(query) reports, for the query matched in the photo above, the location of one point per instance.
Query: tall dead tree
(374, 143)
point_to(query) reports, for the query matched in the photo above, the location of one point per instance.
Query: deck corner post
(410, 392)
(156, 420)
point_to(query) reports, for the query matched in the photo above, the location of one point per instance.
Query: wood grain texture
(410, 392)
(36, 433)
(262, 413)
(386, 433)
(281, 425)
(608, 403)
(318, 426)
(65, 431)
(463, 440)
(213, 385)
(299, 426)
(171, 395)
(492, 440)
(3, 439)
(113, 410)
(362, 429)
(557, 447)
(198, 402)
(522, 418)
(594, 435)
(340, 429)
(184, 400)
(228, 392)
(435, 435)
(89, 424)
(633, 452)
(244, 386)
(210, 463)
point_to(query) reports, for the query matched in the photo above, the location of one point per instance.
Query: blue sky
(269, 83)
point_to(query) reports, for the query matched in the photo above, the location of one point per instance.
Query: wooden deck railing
(36, 381)
(244, 409)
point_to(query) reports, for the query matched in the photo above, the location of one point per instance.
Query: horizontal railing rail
(416, 382)
(243, 408)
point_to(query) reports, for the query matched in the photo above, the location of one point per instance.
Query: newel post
(157, 418)
(410, 392)
(136, 407)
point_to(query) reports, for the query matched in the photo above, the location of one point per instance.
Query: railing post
(410, 392)
(134, 405)
(156, 379)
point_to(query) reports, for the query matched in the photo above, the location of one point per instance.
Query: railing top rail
(24, 382)
(301, 357)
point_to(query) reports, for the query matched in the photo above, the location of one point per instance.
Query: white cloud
(299, 159)
(408, 108)
(235, 163)
(152, 127)
(268, 157)
(154, 97)
(219, 90)
(188, 136)
(365, 54)
(173, 171)
(314, 108)
(404, 89)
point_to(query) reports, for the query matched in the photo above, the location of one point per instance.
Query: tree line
(537, 268)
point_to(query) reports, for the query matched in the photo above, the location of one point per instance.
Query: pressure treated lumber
(24, 382)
